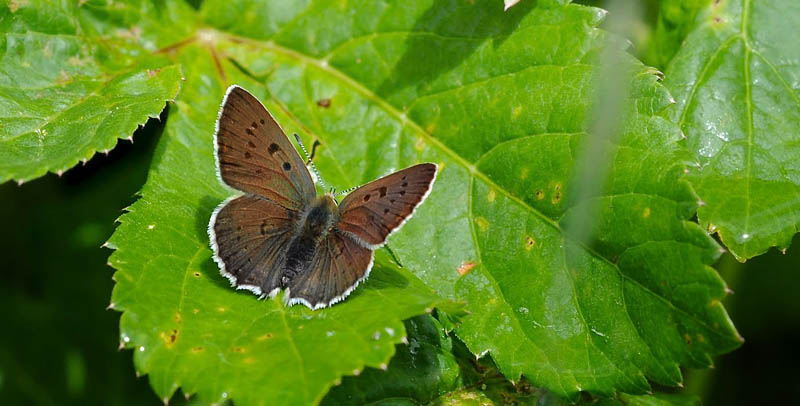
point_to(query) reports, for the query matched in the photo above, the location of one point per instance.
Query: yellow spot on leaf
(529, 242)
(197, 349)
(177, 317)
(525, 172)
(465, 267)
(687, 338)
(238, 349)
(700, 338)
(516, 111)
(646, 212)
(221, 309)
(482, 223)
(419, 145)
(430, 128)
(491, 195)
(265, 337)
(169, 337)
(195, 311)
(539, 195)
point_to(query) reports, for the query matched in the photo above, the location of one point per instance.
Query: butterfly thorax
(316, 221)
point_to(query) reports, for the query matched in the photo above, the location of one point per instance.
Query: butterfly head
(322, 214)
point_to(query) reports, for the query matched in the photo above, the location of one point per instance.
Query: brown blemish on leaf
(265, 337)
(491, 195)
(700, 338)
(482, 223)
(197, 349)
(539, 195)
(529, 242)
(324, 103)
(170, 337)
(238, 349)
(465, 267)
(197, 274)
(687, 338)
(557, 193)
(195, 311)
(153, 72)
(177, 317)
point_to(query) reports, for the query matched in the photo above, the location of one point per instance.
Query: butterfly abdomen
(316, 223)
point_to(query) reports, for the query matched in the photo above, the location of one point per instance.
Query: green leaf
(675, 20)
(434, 368)
(66, 93)
(736, 81)
(502, 102)
(421, 370)
(188, 327)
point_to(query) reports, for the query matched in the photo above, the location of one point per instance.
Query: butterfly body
(279, 234)
(316, 223)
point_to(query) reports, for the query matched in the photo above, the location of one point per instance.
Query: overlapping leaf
(737, 83)
(501, 102)
(67, 92)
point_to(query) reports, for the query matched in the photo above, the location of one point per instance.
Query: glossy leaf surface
(67, 92)
(737, 83)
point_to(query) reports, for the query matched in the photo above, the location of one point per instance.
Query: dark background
(58, 343)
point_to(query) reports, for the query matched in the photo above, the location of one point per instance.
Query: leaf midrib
(403, 119)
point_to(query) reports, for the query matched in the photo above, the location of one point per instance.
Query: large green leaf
(188, 327)
(501, 101)
(67, 92)
(737, 83)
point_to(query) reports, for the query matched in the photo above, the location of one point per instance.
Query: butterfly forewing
(339, 264)
(376, 209)
(255, 156)
(250, 237)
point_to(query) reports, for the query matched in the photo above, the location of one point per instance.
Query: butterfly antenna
(309, 161)
(346, 191)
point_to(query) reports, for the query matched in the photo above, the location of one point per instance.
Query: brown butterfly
(279, 234)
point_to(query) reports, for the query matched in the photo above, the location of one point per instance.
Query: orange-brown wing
(254, 156)
(250, 236)
(376, 209)
(339, 265)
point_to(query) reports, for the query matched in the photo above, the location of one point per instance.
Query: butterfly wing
(374, 210)
(339, 265)
(250, 236)
(255, 156)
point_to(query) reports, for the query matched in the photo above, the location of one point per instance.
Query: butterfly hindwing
(250, 236)
(255, 156)
(339, 264)
(374, 210)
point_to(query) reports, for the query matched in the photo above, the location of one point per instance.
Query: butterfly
(278, 233)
